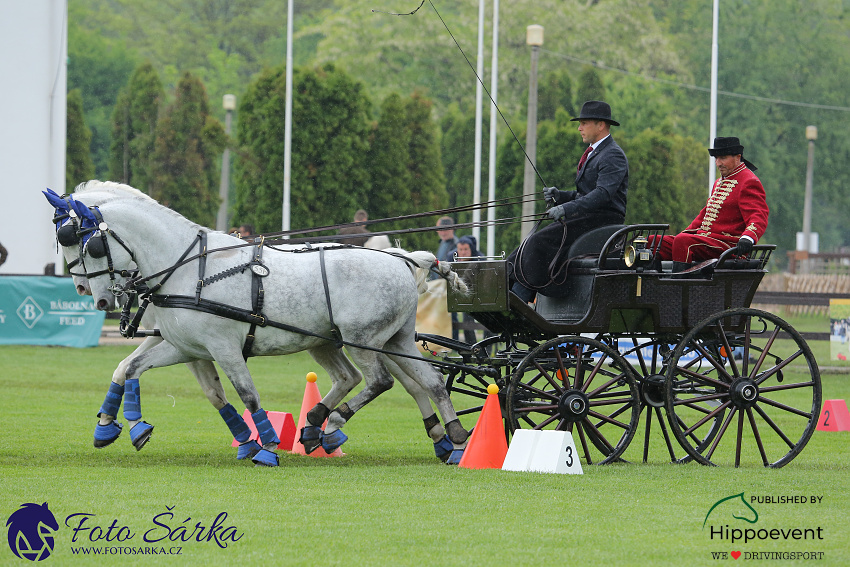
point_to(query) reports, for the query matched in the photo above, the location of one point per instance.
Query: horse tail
(422, 262)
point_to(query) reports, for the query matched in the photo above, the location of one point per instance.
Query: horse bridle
(91, 240)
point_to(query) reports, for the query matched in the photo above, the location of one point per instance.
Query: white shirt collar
(594, 145)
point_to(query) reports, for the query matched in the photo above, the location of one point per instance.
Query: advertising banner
(46, 310)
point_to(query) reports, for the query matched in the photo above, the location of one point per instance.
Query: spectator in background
(3, 255)
(245, 230)
(360, 217)
(448, 241)
(467, 251)
(467, 248)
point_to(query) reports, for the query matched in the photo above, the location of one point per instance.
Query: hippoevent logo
(31, 530)
(734, 520)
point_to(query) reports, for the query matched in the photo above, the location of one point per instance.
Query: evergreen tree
(134, 128)
(555, 91)
(78, 163)
(458, 153)
(330, 179)
(389, 154)
(590, 86)
(189, 141)
(428, 182)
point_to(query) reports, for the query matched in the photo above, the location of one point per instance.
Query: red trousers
(686, 247)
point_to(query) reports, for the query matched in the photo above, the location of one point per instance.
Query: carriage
(623, 337)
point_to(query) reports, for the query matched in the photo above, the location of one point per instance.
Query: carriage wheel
(768, 401)
(652, 359)
(578, 385)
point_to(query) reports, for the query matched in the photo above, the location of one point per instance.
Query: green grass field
(387, 502)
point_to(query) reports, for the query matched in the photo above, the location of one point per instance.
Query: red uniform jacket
(737, 207)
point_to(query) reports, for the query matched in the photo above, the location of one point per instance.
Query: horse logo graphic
(733, 508)
(31, 530)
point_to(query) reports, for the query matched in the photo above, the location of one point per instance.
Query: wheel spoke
(720, 434)
(646, 434)
(543, 372)
(784, 407)
(584, 446)
(775, 427)
(757, 436)
(607, 419)
(778, 367)
(738, 441)
(711, 414)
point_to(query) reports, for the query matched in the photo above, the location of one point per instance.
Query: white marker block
(520, 450)
(543, 451)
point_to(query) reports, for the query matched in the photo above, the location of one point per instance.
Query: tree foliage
(134, 123)
(330, 179)
(188, 144)
(78, 163)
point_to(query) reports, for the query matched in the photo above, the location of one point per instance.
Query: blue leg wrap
(140, 433)
(237, 425)
(311, 438)
(266, 459)
(113, 400)
(248, 450)
(454, 458)
(443, 448)
(331, 442)
(264, 428)
(106, 434)
(132, 400)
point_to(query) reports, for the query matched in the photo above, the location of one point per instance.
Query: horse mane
(117, 189)
(124, 191)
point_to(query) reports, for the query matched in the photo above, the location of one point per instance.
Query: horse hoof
(443, 448)
(106, 434)
(454, 458)
(247, 450)
(140, 433)
(265, 458)
(332, 441)
(311, 438)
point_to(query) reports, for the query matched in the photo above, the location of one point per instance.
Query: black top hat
(729, 147)
(596, 110)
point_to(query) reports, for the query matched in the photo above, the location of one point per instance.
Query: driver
(735, 214)
(599, 199)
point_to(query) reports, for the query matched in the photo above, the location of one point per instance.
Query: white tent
(34, 47)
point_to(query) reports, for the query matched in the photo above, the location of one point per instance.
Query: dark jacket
(602, 184)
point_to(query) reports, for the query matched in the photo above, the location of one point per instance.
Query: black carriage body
(601, 295)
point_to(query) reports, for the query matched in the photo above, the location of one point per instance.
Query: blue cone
(443, 448)
(140, 433)
(266, 459)
(332, 441)
(106, 434)
(311, 438)
(247, 450)
(455, 457)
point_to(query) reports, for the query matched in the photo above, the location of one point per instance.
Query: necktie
(583, 158)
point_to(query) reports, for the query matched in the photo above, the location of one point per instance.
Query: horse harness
(254, 316)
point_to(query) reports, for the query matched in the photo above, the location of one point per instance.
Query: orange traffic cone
(487, 446)
(282, 423)
(311, 398)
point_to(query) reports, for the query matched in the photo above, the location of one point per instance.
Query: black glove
(745, 245)
(551, 194)
(557, 213)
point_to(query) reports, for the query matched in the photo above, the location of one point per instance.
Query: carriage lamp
(637, 253)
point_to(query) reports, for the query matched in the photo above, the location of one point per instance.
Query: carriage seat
(570, 299)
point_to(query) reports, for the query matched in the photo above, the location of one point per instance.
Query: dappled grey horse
(371, 310)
